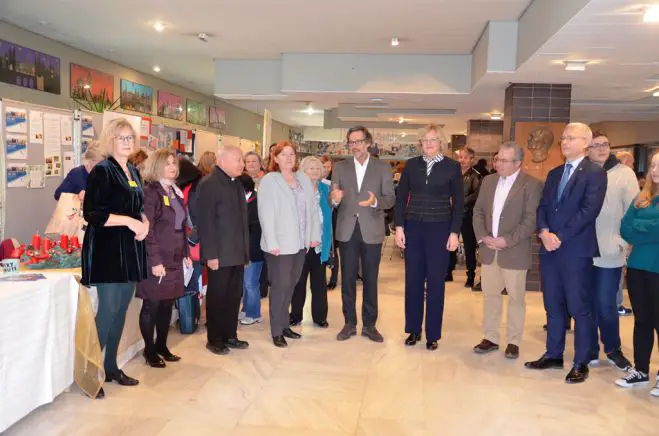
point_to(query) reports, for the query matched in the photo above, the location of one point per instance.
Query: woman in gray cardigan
(290, 224)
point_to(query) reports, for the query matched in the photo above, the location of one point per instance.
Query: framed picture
(29, 68)
(196, 113)
(216, 118)
(170, 106)
(88, 80)
(136, 97)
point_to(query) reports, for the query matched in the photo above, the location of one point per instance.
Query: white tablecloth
(37, 334)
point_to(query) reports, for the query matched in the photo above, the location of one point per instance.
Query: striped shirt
(431, 162)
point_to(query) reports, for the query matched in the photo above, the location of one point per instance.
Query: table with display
(48, 340)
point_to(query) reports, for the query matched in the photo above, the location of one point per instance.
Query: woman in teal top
(315, 264)
(640, 228)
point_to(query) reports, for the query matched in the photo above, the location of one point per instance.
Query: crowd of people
(283, 221)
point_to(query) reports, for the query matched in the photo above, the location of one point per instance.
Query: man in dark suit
(362, 189)
(571, 201)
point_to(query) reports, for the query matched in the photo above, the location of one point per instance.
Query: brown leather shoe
(512, 351)
(485, 347)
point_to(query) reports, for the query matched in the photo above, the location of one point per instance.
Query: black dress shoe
(485, 346)
(237, 344)
(346, 332)
(219, 349)
(373, 334)
(154, 361)
(121, 379)
(512, 351)
(412, 339)
(578, 374)
(545, 363)
(431, 345)
(469, 283)
(331, 286)
(294, 323)
(169, 356)
(279, 341)
(100, 395)
(291, 334)
(322, 324)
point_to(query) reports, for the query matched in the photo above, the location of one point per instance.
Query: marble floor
(319, 386)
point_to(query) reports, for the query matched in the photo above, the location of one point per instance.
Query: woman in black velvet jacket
(113, 251)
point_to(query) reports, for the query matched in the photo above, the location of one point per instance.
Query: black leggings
(155, 316)
(644, 295)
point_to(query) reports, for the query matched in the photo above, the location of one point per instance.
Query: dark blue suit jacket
(572, 218)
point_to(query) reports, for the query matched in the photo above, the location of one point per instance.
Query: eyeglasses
(357, 142)
(504, 161)
(571, 138)
(600, 145)
(127, 138)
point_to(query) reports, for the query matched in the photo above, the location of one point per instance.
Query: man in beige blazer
(504, 223)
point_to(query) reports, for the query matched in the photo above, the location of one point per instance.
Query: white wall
(629, 132)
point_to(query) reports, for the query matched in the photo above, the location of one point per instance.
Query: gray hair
(307, 160)
(253, 153)
(512, 145)
(588, 133)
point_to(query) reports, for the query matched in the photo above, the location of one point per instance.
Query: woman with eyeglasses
(429, 209)
(113, 250)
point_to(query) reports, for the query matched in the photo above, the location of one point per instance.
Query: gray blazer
(379, 180)
(278, 214)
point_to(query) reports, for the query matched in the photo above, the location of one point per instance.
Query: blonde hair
(94, 152)
(443, 143)
(649, 191)
(156, 163)
(307, 161)
(206, 163)
(110, 132)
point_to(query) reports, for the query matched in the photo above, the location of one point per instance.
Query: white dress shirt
(574, 163)
(361, 171)
(500, 195)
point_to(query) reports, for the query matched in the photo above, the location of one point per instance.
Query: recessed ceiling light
(159, 26)
(310, 110)
(156, 69)
(401, 120)
(43, 22)
(395, 42)
(651, 14)
(404, 134)
(655, 94)
(377, 100)
(575, 65)
(495, 116)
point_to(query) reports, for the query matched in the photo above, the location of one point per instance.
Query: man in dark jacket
(224, 236)
(472, 182)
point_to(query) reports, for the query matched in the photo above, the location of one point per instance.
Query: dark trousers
(265, 283)
(566, 283)
(644, 295)
(351, 253)
(426, 258)
(155, 316)
(113, 302)
(316, 270)
(334, 277)
(283, 272)
(605, 283)
(223, 296)
(470, 244)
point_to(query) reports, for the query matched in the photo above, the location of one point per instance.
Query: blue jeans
(605, 283)
(252, 290)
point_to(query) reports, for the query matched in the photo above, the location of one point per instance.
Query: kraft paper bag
(67, 218)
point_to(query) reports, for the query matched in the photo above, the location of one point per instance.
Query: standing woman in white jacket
(621, 190)
(290, 224)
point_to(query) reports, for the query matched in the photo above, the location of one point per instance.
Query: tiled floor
(319, 386)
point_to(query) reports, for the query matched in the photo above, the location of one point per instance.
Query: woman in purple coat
(167, 249)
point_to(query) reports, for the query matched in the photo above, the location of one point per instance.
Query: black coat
(255, 252)
(222, 222)
(165, 246)
(112, 254)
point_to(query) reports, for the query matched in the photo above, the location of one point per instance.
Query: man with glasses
(362, 190)
(571, 201)
(621, 190)
(504, 223)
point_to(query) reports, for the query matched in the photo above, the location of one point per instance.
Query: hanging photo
(16, 147)
(15, 120)
(136, 97)
(86, 82)
(170, 106)
(196, 113)
(17, 175)
(217, 119)
(29, 68)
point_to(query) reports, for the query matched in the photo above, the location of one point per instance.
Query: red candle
(74, 242)
(64, 242)
(45, 245)
(36, 241)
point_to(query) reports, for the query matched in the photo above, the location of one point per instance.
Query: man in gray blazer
(504, 223)
(362, 189)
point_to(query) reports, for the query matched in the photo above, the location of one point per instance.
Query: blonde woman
(167, 248)
(113, 250)
(76, 181)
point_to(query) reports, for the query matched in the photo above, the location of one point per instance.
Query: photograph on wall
(170, 106)
(85, 144)
(36, 178)
(88, 81)
(16, 147)
(36, 127)
(196, 113)
(53, 165)
(68, 162)
(17, 175)
(87, 126)
(15, 120)
(136, 97)
(216, 117)
(29, 68)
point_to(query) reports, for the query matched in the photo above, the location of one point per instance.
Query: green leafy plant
(96, 103)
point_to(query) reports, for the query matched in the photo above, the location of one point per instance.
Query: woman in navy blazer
(315, 263)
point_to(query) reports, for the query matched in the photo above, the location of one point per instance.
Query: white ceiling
(607, 31)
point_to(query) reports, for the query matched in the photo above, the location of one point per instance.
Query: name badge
(165, 200)
(132, 183)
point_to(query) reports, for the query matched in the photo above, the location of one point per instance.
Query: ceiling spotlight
(377, 100)
(494, 116)
(575, 65)
(651, 14)
(401, 120)
(404, 134)
(159, 26)
(309, 110)
(395, 42)
(203, 37)
(156, 69)
(655, 94)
